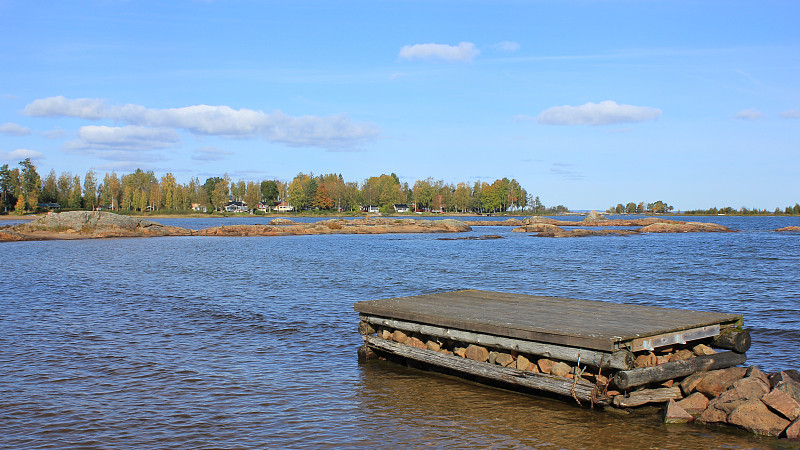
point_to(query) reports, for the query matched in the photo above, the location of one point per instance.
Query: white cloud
(12, 129)
(749, 114)
(301, 131)
(210, 154)
(604, 113)
(130, 137)
(464, 51)
(507, 46)
(791, 114)
(20, 154)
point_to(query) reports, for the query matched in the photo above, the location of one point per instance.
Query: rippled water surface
(205, 342)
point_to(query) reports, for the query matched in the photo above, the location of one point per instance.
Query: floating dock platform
(559, 345)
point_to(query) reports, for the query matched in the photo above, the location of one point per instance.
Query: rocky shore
(745, 397)
(98, 225)
(546, 227)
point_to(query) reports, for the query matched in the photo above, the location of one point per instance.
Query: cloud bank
(130, 137)
(12, 129)
(604, 113)
(464, 51)
(303, 131)
(749, 114)
(20, 154)
(791, 114)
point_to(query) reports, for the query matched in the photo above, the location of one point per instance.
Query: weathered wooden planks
(585, 324)
(617, 360)
(579, 389)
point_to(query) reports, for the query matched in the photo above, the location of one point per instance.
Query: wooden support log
(620, 360)
(645, 396)
(738, 341)
(626, 379)
(582, 389)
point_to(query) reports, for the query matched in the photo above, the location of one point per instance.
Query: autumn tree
(31, 184)
(252, 194)
(322, 200)
(169, 191)
(111, 190)
(6, 188)
(75, 193)
(19, 208)
(90, 190)
(299, 190)
(50, 188)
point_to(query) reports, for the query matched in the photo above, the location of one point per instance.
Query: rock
(560, 369)
(435, 346)
(504, 359)
(668, 383)
(791, 388)
(594, 216)
(399, 336)
(681, 355)
(741, 391)
(601, 379)
(789, 228)
(703, 349)
(646, 360)
(689, 383)
(280, 221)
(793, 430)
(754, 416)
(673, 413)
(460, 351)
(782, 403)
(715, 382)
(415, 342)
(694, 404)
(523, 363)
(713, 415)
(385, 334)
(493, 357)
(477, 353)
(784, 375)
(755, 372)
(545, 365)
(662, 359)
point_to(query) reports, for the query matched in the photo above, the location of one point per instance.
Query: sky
(586, 103)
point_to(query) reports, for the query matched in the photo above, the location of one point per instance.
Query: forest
(22, 189)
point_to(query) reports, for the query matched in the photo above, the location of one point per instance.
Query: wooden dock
(579, 333)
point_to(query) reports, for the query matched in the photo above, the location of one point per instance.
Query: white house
(236, 207)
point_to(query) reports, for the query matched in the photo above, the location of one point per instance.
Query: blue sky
(586, 103)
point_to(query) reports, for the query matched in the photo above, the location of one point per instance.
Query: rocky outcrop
(94, 224)
(594, 216)
(545, 227)
(791, 228)
(89, 225)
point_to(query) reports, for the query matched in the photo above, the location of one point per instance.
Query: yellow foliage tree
(19, 208)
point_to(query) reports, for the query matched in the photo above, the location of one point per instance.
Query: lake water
(215, 342)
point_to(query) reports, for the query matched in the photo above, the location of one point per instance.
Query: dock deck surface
(588, 324)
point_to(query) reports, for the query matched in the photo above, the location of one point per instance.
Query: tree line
(640, 208)
(23, 189)
(744, 211)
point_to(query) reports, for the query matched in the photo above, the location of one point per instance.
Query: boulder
(477, 353)
(282, 222)
(703, 349)
(594, 216)
(689, 383)
(545, 365)
(715, 382)
(523, 363)
(504, 359)
(560, 369)
(674, 413)
(646, 360)
(460, 351)
(432, 345)
(780, 402)
(681, 355)
(791, 388)
(754, 416)
(415, 342)
(755, 372)
(793, 430)
(399, 336)
(785, 375)
(741, 391)
(694, 404)
(712, 415)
